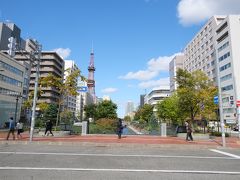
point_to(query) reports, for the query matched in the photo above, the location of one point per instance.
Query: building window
(227, 88)
(10, 80)
(224, 56)
(226, 66)
(222, 28)
(212, 63)
(226, 44)
(8, 92)
(226, 77)
(10, 68)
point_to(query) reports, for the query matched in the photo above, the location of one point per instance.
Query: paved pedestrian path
(231, 142)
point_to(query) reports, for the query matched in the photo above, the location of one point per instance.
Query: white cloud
(154, 83)
(197, 11)
(64, 53)
(109, 90)
(140, 75)
(154, 66)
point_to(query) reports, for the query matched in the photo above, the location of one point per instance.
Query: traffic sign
(238, 102)
(82, 89)
(215, 99)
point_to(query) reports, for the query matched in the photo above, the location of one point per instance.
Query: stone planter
(163, 129)
(55, 133)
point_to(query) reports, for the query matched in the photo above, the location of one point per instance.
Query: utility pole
(39, 49)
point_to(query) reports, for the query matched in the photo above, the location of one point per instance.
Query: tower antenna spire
(92, 47)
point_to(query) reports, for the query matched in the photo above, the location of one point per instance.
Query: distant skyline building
(142, 96)
(129, 108)
(91, 80)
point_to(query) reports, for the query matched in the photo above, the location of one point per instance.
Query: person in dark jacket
(189, 131)
(119, 128)
(11, 128)
(49, 126)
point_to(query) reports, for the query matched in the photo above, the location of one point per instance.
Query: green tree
(90, 111)
(67, 116)
(195, 93)
(127, 119)
(144, 114)
(106, 109)
(65, 87)
(168, 110)
(51, 113)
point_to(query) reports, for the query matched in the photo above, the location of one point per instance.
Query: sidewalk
(231, 142)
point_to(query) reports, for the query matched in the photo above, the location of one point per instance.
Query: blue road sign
(82, 89)
(215, 99)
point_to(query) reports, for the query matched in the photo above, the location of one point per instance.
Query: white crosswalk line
(225, 153)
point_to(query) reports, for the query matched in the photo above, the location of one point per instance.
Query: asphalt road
(113, 161)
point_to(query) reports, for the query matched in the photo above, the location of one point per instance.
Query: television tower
(91, 81)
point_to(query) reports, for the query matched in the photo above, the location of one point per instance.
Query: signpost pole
(238, 115)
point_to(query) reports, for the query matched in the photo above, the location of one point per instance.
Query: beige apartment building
(52, 63)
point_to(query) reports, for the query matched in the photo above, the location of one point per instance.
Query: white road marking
(225, 153)
(121, 170)
(112, 155)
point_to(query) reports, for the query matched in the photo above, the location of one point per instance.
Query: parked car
(236, 128)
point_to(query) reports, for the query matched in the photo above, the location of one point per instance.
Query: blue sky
(133, 40)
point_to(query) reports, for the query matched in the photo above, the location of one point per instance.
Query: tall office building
(11, 88)
(8, 30)
(174, 65)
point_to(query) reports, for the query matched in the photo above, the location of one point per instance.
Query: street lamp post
(17, 98)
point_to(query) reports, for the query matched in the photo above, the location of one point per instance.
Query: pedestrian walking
(49, 126)
(189, 131)
(19, 129)
(119, 128)
(11, 128)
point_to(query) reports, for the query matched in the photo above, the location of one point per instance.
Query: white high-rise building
(228, 59)
(70, 101)
(174, 65)
(215, 51)
(157, 95)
